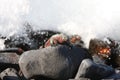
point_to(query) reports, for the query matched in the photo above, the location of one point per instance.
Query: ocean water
(88, 18)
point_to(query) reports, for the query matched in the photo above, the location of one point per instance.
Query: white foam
(2, 46)
(89, 18)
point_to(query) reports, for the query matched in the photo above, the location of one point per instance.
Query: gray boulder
(9, 74)
(60, 62)
(8, 60)
(7, 57)
(89, 69)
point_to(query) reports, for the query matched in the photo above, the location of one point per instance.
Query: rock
(115, 76)
(8, 60)
(88, 69)
(29, 39)
(9, 74)
(109, 79)
(58, 62)
(81, 79)
(95, 45)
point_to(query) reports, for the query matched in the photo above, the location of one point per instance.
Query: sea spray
(12, 13)
(88, 18)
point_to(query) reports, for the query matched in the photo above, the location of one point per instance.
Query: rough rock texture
(9, 74)
(8, 60)
(30, 39)
(88, 69)
(115, 76)
(60, 62)
(81, 79)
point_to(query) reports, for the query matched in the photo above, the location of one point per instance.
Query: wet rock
(95, 45)
(7, 57)
(113, 58)
(29, 39)
(81, 79)
(9, 74)
(8, 60)
(115, 76)
(89, 69)
(58, 62)
(109, 79)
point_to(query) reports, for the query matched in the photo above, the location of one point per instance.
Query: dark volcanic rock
(81, 79)
(29, 39)
(89, 69)
(58, 62)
